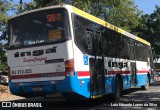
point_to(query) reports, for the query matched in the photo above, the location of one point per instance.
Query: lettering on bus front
(117, 64)
(36, 52)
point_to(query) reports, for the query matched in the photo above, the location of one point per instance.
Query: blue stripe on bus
(72, 84)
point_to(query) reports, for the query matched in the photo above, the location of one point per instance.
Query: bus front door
(133, 65)
(152, 75)
(96, 63)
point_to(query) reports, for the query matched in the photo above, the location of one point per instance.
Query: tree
(4, 7)
(149, 29)
(121, 13)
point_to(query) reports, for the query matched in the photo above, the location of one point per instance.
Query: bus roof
(40, 9)
(108, 25)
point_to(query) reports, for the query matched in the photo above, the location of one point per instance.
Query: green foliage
(121, 13)
(149, 29)
(3, 59)
(4, 7)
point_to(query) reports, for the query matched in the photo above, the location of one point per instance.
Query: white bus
(61, 49)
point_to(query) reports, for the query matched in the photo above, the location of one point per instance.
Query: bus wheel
(146, 86)
(118, 89)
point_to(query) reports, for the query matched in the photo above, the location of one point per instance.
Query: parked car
(3, 77)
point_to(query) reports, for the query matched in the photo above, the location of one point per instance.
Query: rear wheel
(146, 86)
(118, 89)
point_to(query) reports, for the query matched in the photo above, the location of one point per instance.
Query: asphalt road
(133, 99)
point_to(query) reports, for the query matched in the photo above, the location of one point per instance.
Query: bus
(62, 49)
(157, 69)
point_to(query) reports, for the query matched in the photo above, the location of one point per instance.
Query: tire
(146, 86)
(117, 90)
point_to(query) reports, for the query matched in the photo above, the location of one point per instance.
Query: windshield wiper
(15, 45)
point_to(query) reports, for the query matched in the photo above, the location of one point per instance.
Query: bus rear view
(40, 54)
(62, 49)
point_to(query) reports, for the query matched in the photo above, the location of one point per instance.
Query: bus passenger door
(151, 63)
(96, 63)
(133, 64)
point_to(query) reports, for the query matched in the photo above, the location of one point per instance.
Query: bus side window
(80, 33)
(112, 43)
(89, 40)
(124, 48)
(154, 55)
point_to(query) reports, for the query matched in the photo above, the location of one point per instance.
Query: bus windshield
(39, 27)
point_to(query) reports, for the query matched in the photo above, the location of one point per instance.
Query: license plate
(37, 89)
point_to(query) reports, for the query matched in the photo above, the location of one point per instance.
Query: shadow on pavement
(134, 95)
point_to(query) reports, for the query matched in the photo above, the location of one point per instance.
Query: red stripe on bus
(80, 73)
(143, 71)
(41, 75)
(87, 73)
(83, 73)
(118, 72)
